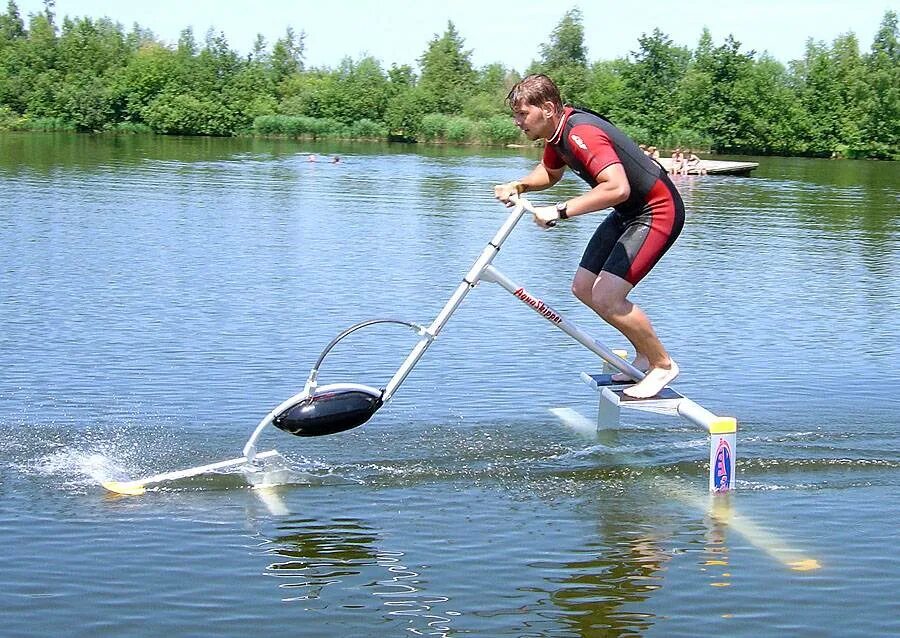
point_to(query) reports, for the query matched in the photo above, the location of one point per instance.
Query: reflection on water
(624, 571)
(346, 557)
(320, 555)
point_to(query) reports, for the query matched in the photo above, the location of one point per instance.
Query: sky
(511, 33)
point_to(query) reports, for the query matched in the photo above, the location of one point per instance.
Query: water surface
(159, 295)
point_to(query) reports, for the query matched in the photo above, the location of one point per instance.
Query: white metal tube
(469, 281)
(695, 413)
(250, 446)
(562, 323)
(139, 486)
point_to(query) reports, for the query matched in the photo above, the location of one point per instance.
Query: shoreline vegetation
(90, 75)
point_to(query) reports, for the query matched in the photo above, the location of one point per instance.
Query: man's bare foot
(655, 380)
(640, 362)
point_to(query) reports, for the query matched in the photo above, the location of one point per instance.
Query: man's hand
(546, 216)
(505, 192)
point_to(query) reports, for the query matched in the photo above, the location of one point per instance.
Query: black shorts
(629, 247)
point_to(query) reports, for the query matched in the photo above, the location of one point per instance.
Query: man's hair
(534, 90)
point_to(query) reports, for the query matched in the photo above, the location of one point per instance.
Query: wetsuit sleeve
(593, 147)
(551, 158)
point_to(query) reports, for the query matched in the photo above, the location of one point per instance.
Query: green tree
(150, 71)
(12, 35)
(91, 47)
(302, 93)
(834, 94)
(259, 53)
(771, 114)
(564, 58)
(356, 91)
(401, 77)
(249, 93)
(606, 87)
(12, 28)
(85, 102)
(716, 97)
(405, 111)
(32, 86)
(651, 82)
(448, 78)
(492, 85)
(287, 55)
(881, 125)
(187, 43)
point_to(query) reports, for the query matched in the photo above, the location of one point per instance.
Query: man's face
(533, 121)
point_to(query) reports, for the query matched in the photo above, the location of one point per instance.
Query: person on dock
(692, 163)
(677, 162)
(647, 215)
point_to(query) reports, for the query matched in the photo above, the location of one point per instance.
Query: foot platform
(664, 402)
(722, 429)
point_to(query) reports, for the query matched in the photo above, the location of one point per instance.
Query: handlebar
(518, 200)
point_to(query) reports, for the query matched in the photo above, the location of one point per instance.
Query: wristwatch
(561, 210)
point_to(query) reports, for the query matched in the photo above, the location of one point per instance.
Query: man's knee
(582, 290)
(609, 297)
(605, 304)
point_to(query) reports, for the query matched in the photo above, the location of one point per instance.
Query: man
(647, 215)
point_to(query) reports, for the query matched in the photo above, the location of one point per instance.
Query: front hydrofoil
(330, 409)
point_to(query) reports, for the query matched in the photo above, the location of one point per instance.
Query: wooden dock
(716, 167)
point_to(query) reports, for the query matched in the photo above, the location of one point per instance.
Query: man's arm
(538, 179)
(612, 188)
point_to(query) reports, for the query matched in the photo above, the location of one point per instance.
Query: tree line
(92, 75)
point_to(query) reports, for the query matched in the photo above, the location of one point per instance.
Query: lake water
(159, 295)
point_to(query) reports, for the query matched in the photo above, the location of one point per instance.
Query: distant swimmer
(647, 216)
(335, 159)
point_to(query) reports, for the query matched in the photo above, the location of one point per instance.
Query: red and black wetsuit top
(587, 143)
(631, 240)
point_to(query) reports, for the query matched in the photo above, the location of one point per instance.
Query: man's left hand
(546, 216)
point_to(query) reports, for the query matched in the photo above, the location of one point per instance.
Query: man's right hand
(505, 192)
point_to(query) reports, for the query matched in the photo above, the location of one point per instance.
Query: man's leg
(607, 295)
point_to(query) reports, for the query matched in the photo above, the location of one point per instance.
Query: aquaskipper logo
(722, 467)
(578, 141)
(539, 306)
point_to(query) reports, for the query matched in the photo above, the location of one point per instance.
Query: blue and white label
(722, 467)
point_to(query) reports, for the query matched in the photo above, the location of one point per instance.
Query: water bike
(320, 410)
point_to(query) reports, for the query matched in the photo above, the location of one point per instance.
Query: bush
(185, 114)
(367, 129)
(434, 127)
(315, 127)
(460, 129)
(86, 104)
(296, 125)
(9, 119)
(405, 112)
(130, 128)
(46, 124)
(499, 129)
(640, 135)
(269, 124)
(685, 138)
(483, 106)
(326, 127)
